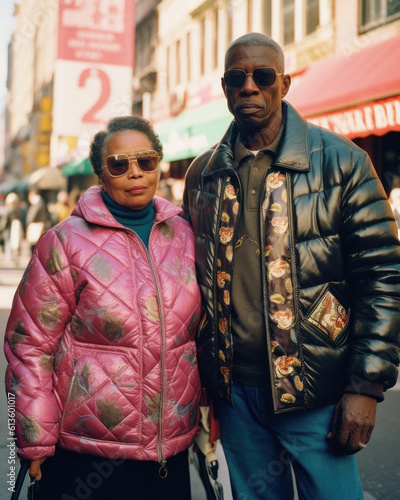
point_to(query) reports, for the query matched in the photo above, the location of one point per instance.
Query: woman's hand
(34, 470)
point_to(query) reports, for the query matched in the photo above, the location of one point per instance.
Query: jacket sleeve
(42, 306)
(372, 259)
(191, 184)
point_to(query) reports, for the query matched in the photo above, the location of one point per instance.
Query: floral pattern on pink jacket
(100, 340)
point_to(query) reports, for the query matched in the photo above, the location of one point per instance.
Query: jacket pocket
(103, 387)
(329, 319)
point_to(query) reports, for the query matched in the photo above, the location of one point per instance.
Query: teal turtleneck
(140, 221)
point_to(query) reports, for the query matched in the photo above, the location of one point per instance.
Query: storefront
(358, 95)
(194, 130)
(79, 174)
(186, 136)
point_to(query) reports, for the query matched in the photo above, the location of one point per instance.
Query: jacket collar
(293, 151)
(93, 209)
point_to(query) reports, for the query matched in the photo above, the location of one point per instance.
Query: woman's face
(135, 189)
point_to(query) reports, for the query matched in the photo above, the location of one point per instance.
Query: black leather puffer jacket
(343, 240)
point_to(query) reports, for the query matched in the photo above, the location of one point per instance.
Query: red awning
(363, 85)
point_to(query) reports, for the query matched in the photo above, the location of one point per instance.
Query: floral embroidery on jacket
(287, 381)
(286, 365)
(329, 316)
(224, 281)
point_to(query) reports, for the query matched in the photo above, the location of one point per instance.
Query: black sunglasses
(118, 164)
(263, 77)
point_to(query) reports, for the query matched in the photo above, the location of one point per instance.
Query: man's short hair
(258, 39)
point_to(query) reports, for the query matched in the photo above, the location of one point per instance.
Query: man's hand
(34, 470)
(353, 422)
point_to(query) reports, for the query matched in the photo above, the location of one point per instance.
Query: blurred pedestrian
(74, 196)
(61, 207)
(299, 264)
(12, 226)
(100, 340)
(38, 218)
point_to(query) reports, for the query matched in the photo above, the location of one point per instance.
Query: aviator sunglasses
(118, 164)
(263, 77)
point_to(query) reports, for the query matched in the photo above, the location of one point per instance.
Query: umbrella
(47, 178)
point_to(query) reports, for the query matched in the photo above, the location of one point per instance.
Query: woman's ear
(103, 184)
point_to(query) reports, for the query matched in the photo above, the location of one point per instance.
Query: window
(188, 58)
(312, 16)
(229, 21)
(376, 12)
(178, 62)
(202, 46)
(168, 85)
(288, 21)
(215, 38)
(266, 17)
(249, 15)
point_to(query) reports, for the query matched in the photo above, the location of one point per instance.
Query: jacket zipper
(265, 294)
(219, 214)
(215, 265)
(162, 471)
(295, 281)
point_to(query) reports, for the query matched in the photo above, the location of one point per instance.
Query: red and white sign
(372, 118)
(93, 73)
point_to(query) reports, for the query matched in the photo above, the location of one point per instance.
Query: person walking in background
(61, 207)
(100, 339)
(38, 218)
(299, 265)
(12, 226)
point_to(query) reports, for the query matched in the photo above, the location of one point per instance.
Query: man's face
(252, 106)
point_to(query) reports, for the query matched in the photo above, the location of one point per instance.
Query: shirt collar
(242, 152)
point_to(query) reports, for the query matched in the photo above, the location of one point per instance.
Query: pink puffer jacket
(100, 340)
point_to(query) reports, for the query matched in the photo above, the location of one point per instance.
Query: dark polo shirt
(250, 361)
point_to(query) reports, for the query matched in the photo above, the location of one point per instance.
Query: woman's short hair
(115, 126)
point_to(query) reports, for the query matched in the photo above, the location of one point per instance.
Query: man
(299, 264)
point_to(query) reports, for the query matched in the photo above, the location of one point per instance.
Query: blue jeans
(259, 447)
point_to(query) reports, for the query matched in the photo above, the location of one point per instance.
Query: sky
(6, 26)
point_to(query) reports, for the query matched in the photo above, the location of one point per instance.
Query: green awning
(77, 167)
(14, 186)
(193, 131)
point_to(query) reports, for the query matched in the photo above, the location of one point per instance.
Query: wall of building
(193, 36)
(30, 79)
(348, 35)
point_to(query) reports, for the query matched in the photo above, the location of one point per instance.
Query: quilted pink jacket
(100, 340)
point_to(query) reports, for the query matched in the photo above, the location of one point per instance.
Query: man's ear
(286, 81)
(223, 85)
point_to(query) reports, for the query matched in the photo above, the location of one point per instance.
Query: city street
(379, 463)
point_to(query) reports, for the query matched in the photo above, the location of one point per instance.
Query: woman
(100, 340)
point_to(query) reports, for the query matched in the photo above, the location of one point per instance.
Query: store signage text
(378, 118)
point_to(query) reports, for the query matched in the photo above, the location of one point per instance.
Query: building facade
(341, 54)
(188, 106)
(30, 79)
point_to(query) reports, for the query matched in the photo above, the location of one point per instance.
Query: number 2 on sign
(90, 115)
